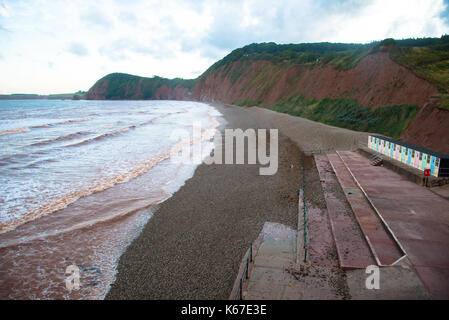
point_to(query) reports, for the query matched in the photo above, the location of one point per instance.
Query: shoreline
(192, 246)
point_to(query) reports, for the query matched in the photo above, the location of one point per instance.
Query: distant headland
(62, 96)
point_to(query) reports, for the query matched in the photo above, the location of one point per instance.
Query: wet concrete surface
(417, 217)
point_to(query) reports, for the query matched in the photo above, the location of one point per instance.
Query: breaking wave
(16, 130)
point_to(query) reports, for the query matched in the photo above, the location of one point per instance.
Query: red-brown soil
(375, 81)
(97, 93)
(429, 129)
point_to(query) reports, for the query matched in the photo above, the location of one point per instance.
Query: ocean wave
(16, 130)
(74, 120)
(15, 158)
(35, 164)
(120, 131)
(45, 125)
(103, 136)
(70, 136)
(70, 198)
(80, 225)
(160, 117)
(140, 169)
(10, 158)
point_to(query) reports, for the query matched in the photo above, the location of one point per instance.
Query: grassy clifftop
(342, 55)
(428, 58)
(122, 86)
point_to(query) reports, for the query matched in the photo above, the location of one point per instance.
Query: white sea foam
(63, 202)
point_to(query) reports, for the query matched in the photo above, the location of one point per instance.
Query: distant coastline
(30, 96)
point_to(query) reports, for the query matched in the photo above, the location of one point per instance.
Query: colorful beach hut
(413, 156)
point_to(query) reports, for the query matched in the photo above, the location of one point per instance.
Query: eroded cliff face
(375, 81)
(178, 93)
(161, 93)
(97, 92)
(429, 129)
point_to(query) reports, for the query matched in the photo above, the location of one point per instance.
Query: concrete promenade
(417, 217)
(374, 216)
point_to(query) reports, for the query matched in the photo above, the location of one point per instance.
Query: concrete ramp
(352, 249)
(381, 242)
(416, 216)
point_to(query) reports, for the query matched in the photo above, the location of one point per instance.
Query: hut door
(432, 164)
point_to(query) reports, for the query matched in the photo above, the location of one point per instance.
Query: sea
(78, 181)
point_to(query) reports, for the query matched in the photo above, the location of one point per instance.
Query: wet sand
(192, 247)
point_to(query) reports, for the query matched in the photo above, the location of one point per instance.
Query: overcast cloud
(65, 46)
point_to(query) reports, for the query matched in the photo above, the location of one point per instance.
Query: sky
(65, 46)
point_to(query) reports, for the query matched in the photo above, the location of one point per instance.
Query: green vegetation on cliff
(347, 113)
(428, 58)
(122, 86)
(443, 103)
(342, 55)
(429, 61)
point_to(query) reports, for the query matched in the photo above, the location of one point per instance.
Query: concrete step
(275, 275)
(268, 278)
(352, 249)
(382, 244)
